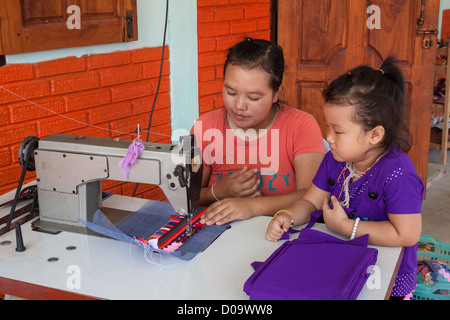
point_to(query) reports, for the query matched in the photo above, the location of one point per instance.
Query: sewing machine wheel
(26, 148)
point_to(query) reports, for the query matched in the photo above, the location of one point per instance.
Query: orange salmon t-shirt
(272, 153)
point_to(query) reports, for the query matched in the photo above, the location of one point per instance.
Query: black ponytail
(378, 96)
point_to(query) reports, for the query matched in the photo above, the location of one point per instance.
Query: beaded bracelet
(355, 227)
(292, 218)
(212, 192)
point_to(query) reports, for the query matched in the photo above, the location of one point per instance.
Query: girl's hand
(240, 184)
(278, 226)
(336, 218)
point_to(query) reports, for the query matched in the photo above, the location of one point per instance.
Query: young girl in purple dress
(366, 184)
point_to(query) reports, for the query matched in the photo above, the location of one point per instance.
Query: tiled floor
(436, 207)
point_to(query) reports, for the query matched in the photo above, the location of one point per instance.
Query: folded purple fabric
(315, 266)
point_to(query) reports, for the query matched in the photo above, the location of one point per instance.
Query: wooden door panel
(323, 30)
(96, 8)
(323, 39)
(40, 11)
(309, 93)
(396, 35)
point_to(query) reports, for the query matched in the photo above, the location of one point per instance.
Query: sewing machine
(70, 168)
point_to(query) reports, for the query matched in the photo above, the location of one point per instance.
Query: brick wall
(115, 91)
(221, 24)
(101, 95)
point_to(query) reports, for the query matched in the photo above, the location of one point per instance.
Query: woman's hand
(226, 210)
(239, 184)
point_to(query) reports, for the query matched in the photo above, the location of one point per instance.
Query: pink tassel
(134, 152)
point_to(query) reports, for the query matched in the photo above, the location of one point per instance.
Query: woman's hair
(378, 99)
(254, 53)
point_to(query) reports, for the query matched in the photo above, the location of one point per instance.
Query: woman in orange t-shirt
(259, 156)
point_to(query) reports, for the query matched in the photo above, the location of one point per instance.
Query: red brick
(144, 105)
(208, 3)
(25, 111)
(160, 134)
(155, 194)
(129, 125)
(4, 115)
(229, 14)
(243, 1)
(206, 104)
(149, 54)
(261, 35)
(59, 124)
(205, 14)
(218, 101)
(24, 90)
(122, 74)
(243, 26)
(131, 91)
(5, 157)
(100, 130)
(16, 134)
(128, 188)
(110, 112)
(257, 11)
(116, 189)
(60, 66)
(10, 175)
(110, 183)
(206, 74)
(164, 86)
(212, 29)
(211, 59)
(75, 82)
(210, 88)
(105, 60)
(152, 69)
(206, 44)
(225, 43)
(219, 71)
(87, 99)
(16, 72)
(160, 117)
(264, 24)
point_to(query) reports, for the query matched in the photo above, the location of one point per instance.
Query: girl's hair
(378, 99)
(254, 53)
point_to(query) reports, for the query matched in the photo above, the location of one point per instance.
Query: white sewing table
(109, 269)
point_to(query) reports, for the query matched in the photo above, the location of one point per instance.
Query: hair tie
(349, 73)
(381, 71)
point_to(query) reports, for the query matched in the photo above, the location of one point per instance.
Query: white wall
(445, 4)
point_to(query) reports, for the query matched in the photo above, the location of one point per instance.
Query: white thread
(352, 174)
(149, 257)
(80, 122)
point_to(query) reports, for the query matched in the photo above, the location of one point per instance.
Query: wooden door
(324, 38)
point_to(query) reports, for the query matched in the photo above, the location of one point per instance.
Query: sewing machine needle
(189, 224)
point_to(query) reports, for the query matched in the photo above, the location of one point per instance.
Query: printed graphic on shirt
(269, 183)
